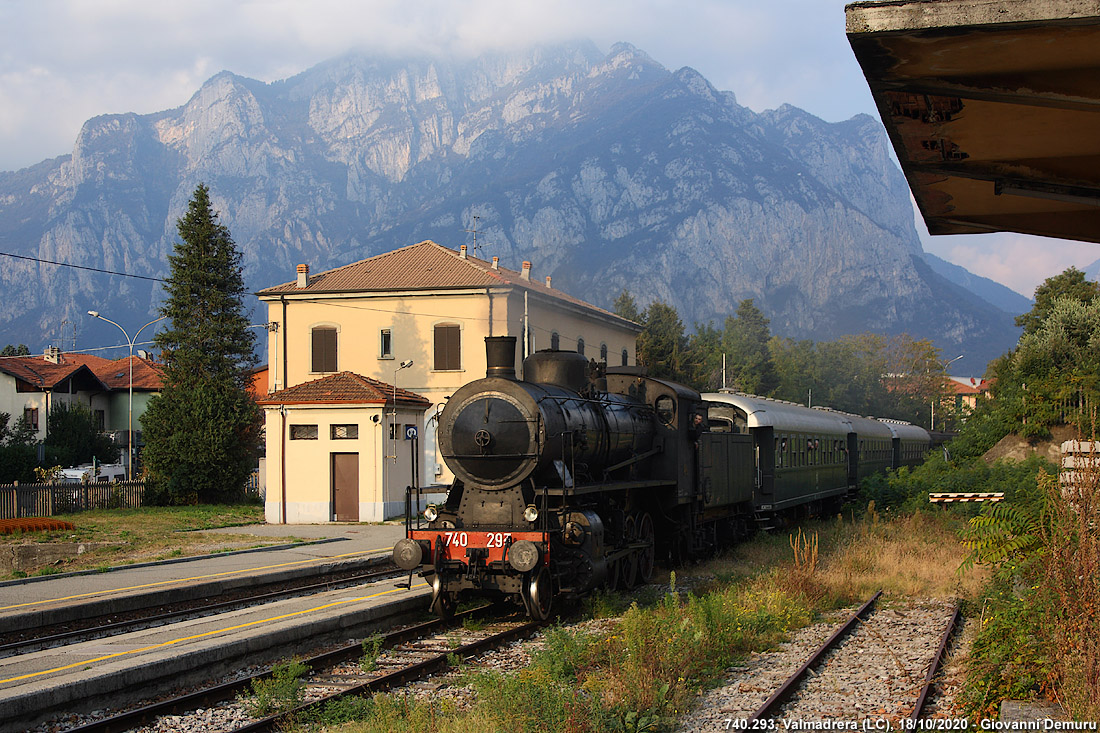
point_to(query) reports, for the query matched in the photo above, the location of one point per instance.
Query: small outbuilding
(340, 448)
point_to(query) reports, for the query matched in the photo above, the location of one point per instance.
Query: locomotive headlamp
(431, 513)
(523, 555)
(531, 513)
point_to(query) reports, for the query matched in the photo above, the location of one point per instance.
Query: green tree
(20, 350)
(795, 368)
(202, 432)
(749, 364)
(72, 437)
(662, 343)
(702, 361)
(1053, 377)
(18, 451)
(1069, 284)
(626, 307)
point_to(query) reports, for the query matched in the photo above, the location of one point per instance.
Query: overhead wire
(81, 267)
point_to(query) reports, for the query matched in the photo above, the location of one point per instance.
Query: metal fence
(46, 500)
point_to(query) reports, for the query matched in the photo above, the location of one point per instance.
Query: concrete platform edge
(164, 596)
(28, 709)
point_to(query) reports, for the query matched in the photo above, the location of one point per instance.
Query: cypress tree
(203, 431)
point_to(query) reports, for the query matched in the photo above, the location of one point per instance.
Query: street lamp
(130, 430)
(403, 365)
(932, 425)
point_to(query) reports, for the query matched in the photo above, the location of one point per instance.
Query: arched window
(626, 357)
(580, 346)
(323, 349)
(448, 347)
(555, 340)
(603, 353)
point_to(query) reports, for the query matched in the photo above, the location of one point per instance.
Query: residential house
(417, 318)
(31, 385)
(964, 393)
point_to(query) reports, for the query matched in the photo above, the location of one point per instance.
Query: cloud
(65, 61)
(1019, 261)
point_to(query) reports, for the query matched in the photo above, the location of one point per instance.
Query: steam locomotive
(580, 476)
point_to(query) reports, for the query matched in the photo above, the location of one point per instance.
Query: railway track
(104, 626)
(857, 651)
(410, 654)
(879, 664)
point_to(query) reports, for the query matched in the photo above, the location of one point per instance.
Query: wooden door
(345, 487)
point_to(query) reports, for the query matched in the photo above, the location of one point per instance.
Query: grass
(280, 692)
(668, 647)
(123, 536)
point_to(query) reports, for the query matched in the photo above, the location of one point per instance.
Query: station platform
(45, 600)
(71, 678)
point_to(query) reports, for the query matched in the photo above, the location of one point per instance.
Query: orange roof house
(31, 385)
(340, 448)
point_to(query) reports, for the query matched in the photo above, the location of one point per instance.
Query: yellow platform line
(199, 636)
(185, 580)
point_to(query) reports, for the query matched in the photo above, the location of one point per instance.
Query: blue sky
(64, 61)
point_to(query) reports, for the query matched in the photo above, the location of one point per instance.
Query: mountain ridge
(608, 171)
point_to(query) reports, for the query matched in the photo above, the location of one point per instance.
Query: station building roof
(993, 109)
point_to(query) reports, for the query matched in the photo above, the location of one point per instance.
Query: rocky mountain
(607, 171)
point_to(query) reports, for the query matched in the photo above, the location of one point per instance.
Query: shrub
(280, 692)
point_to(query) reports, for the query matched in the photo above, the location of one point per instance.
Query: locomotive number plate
(455, 543)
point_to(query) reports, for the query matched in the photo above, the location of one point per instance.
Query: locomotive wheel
(443, 603)
(630, 562)
(538, 594)
(646, 556)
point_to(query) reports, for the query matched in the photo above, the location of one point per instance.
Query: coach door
(765, 460)
(853, 460)
(345, 487)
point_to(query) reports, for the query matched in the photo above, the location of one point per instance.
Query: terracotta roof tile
(112, 374)
(343, 387)
(41, 373)
(148, 375)
(423, 266)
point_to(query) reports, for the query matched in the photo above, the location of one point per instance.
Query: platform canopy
(993, 109)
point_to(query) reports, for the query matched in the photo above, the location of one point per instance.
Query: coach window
(448, 344)
(580, 346)
(324, 349)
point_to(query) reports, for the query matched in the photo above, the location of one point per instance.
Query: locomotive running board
(616, 486)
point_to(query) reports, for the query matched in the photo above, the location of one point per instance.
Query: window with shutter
(448, 342)
(324, 349)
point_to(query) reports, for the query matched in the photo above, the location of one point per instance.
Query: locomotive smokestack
(500, 356)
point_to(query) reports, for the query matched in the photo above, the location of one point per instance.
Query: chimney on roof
(462, 251)
(525, 273)
(303, 276)
(547, 281)
(496, 262)
(52, 355)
